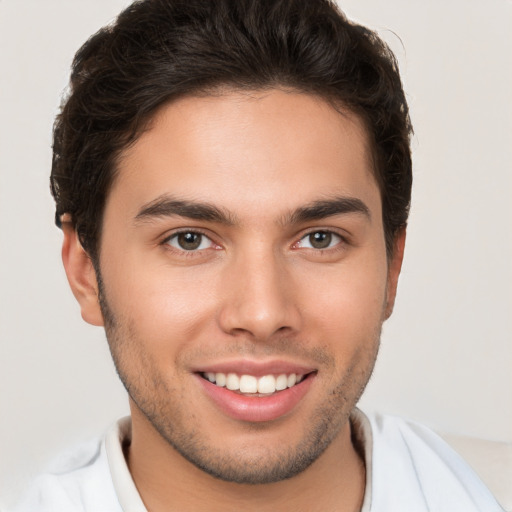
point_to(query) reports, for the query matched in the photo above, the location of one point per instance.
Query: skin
(255, 290)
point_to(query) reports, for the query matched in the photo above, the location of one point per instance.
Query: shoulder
(79, 480)
(413, 466)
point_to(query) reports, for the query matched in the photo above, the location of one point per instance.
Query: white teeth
(266, 384)
(233, 382)
(220, 379)
(281, 382)
(292, 379)
(250, 384)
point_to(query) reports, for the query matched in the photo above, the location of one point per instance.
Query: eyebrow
(166, 206)
(324, 208)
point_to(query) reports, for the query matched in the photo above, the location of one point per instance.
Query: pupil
(189, 241)
(320, 239)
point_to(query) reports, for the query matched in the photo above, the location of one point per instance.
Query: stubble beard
(162, 405)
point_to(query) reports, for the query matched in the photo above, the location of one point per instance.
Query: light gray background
(446, 356)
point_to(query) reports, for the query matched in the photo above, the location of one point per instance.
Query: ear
(394, 267)
(81, 276)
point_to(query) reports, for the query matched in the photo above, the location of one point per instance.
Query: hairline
(219, 90)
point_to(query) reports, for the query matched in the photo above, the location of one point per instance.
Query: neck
(168, 482)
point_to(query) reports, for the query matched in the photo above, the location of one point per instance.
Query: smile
(252, 385)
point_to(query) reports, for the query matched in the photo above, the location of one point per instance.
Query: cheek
(165, 308)
(348, 303)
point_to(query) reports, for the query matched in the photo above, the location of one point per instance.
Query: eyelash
(340, 245)
(187, 253)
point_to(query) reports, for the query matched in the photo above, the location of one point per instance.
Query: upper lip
(256, 368)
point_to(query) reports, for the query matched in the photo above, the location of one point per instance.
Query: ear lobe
(394, 267)
(81, 276)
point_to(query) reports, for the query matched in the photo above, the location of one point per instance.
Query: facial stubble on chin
(162, 405)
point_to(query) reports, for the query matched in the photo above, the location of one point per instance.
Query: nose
(260, 299)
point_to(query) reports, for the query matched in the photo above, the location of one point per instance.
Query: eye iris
(320, 239)
(189, 241)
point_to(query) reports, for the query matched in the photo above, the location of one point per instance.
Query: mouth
(251, 385)
(256, 395)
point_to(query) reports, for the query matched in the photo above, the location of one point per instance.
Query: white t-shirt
(408, 469)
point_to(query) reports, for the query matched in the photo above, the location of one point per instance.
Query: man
(233, 182)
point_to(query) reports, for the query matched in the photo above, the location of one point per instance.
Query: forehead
(256, 146)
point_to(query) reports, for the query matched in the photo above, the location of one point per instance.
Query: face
(245, 280)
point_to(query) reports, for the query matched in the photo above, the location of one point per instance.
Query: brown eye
(189, 241)
(320, 240)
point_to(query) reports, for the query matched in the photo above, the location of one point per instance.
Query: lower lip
(256, 408)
